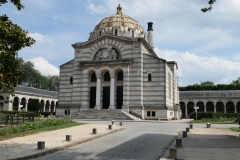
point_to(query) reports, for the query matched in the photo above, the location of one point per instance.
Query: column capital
(98, 76)
(112, 75)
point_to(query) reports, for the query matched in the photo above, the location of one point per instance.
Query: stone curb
(52, 150)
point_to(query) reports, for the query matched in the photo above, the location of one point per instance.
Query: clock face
(105, 54)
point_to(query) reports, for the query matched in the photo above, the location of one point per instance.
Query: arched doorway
(15, 104)
(23, 103)
(93, 82)
(182, 106)
(201, 106)
(47, 106)
(52, 106)
(230, 107)
(119, 89)
(219, 107)
(42, 105)
(238, 107)
(190, 108)
(209, 107)
(106, 91)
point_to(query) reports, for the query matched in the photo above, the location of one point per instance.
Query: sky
(206, 46)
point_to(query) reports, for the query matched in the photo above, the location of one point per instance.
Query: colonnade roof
(209, 94)
(35, 91)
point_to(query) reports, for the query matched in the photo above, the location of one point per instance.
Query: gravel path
(141, 141)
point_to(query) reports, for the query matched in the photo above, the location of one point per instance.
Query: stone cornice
(98, 64)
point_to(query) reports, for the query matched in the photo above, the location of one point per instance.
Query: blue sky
(206, 46)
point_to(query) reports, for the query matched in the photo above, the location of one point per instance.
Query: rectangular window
(153, 113)
(148, 114)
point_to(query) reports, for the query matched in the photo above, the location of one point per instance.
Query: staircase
(103, 114)
(132, 116)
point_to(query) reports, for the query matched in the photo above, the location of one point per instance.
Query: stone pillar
(19, 106)
(54, 108)
(44, 108)
(186, 111)
(235, 107)
(224, 106)
(205, 107)
(26, 106)
(98, 91)
(112, 91)
(49, 107)
(214, 107)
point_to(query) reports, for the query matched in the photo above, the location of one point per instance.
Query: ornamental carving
(105, 54)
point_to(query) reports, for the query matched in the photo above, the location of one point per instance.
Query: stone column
(98, 91)
(205, 107)
(186, 111)
(214, 107)
(112, 91)
(235, 107)
(224, 106)
(19, 103)
(54, 108)
(49, 107)
(44, 108)
(26, 106)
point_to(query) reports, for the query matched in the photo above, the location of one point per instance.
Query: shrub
(212, 115)
(34, 105)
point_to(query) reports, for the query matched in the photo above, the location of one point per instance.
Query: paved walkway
(23, 147)
(201, 143)
(138, 140)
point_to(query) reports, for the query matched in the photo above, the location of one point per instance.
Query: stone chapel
(117, 69)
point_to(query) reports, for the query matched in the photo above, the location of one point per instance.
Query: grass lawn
(35, 130)
(236, 129)
(219, 120)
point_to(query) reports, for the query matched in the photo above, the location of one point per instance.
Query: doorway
(106, 97)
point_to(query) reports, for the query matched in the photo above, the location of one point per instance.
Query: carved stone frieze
(106, 54)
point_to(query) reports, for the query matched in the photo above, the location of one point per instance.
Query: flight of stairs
(104, 114)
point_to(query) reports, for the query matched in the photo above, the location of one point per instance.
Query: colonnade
(186, 105)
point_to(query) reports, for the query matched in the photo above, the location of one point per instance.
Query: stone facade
(225, 101)
(22, 95)
(113, 70)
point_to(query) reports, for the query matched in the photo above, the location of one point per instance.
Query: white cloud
(96, 8)
(195, 69)
(41, 38)
(44, 66)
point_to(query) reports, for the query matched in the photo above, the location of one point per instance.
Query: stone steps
(105, 114)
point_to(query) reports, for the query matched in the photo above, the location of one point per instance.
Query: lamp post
(196, 108)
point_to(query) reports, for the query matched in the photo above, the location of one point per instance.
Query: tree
(34, 105)
(12, 39)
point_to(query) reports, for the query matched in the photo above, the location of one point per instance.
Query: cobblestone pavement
(141, 141)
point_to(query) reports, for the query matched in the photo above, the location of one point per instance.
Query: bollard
(94, 131)
(208, 125)
(191, 126)
(120, 123)
(41, 145)
(113, 122)
(173, 152)
(187, 129)
(68, 137)
(178, 142)
(109, 126)
(184, 134)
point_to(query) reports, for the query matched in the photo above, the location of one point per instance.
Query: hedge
(213, 115)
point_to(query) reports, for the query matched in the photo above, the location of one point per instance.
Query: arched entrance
(201, 106)
(23, 103)
(238, 107)
(15, 104)
(42, 105)
(93, 81)
(190, 108)
(209, 107)
(182, 106)
(52, 106)
(219, 107)
(47, 106)
(119, 89)
(106, 91)
(230, 107)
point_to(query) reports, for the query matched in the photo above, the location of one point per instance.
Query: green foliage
(33, 78)
(235, 85)
(12, 39)
(212, 115)
(34, 105)
(33, 126)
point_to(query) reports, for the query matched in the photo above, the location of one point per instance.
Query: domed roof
(119, 20)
